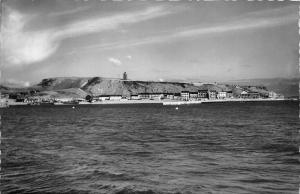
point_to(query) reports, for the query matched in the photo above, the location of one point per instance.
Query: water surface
(208, 148)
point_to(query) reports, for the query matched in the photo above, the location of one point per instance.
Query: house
(272, 95)
(212, 94)
(244, 94)
(193, 95)
(169, 96)
(156, 96)
(102, 97)
(203, 94)
(143, 95)
(62, 99)
(221, 95)
(253, 95)
(185, 95)
(115, 97)
(177, 96)
(134, 97)
(229, 94)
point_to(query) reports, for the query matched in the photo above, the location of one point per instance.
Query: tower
(124, 76)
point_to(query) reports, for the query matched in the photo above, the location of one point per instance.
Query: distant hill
(79, 87)
(289, 87)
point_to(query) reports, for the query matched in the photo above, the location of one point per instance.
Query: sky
(150, 40)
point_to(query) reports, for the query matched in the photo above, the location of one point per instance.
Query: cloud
(248, 21)
(115, 61)
(21, 47)
(112, 22)
(129, 57)
(25, 47)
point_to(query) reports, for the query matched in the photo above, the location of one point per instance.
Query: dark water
(146, 149)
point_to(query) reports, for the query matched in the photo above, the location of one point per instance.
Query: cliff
(101, 86)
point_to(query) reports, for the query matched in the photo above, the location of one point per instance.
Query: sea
(233, 147)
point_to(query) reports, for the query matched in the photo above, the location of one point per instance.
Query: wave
(280, 148)
(149, 191)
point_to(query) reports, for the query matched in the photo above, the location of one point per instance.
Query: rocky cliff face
(100, 86)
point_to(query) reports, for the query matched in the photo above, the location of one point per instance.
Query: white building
(156, 96)
(273, 94)
(116, 97)
(135, 97)
(221, 95)
(185, 95)
(102, 98)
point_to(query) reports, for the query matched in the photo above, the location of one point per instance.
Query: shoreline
(163, 102)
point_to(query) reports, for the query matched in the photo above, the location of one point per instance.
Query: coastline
(163, 102)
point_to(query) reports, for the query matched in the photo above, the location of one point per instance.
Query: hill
(79, 87)
(103, 86)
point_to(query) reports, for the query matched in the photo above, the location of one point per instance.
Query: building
(185, 95)
(102, 97)
(212, 94)
(193, 95)
(229, 94)
(221, 95)
(157, 96)
(177, 96)
(115, 97)
(244, 94)
(253, 95)
(203, 94)
(63, 99)
(134, 97)
(272, 95)
(124, 76)
(143, 95)
(169, 96)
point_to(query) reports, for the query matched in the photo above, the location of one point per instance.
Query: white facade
(135, 97)
(102, 98)
(185, 95)
(272, 95)
(170, 96)
(64, 99)
(115, 97)
(156, 96)
(221, 95)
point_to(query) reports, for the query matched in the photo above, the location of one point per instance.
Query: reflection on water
(206, 148)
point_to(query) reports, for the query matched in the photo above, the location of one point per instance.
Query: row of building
(185, 95)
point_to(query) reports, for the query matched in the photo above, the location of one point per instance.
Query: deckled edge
(1, 63)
